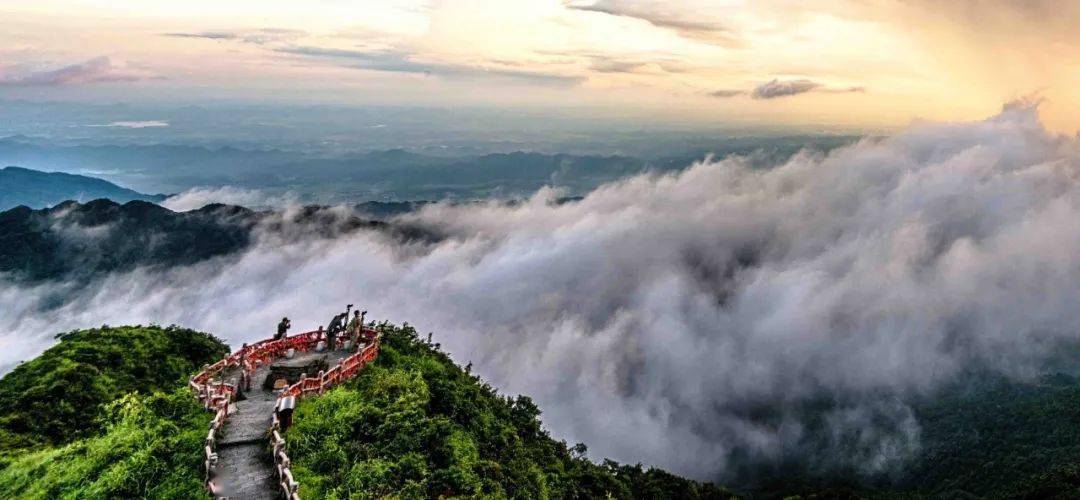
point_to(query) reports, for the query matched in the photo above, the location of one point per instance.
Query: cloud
(404, 62)
(718, 321)
(258, 37)
(135, 124)
(776, 88)
(209, 35)
(613, 65)
(619, 63)
(97, 70)
(382, 60)
(727, 93)
(391, 60)
(845, 90)
(690, 25)
(199, 197)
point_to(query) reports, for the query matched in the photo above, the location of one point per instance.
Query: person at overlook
(353, 330)
(282, 328)
(337, 325)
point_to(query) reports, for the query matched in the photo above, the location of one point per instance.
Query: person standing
(354, 326)
(332, 331)
(282, 328)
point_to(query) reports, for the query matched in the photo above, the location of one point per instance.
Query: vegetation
(415, 425)
(75, 242)
(105, 414)
(985, 437)
(1001, 439)
(59, 396)
(150, 447)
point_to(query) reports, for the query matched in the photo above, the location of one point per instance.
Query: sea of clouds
(691, 320)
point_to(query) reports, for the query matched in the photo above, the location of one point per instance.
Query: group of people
(340, 330)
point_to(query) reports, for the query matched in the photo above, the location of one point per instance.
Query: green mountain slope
(108, 415)
(1003, 439)
(58, 396)
(415, 425)
(149, 447)
(105, 414)
(36, 189)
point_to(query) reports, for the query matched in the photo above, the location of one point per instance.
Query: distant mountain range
(382, 175)
(36, 189)
(80, 241)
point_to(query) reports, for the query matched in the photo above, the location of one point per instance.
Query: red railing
(216, 395)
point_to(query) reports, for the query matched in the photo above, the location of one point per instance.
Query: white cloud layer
(196, 198)
(688, 320)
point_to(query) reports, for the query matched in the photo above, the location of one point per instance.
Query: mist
(716, 321)
(198, 197)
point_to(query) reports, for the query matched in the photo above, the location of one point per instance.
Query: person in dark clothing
(332, 330)
(337, 326)
(282, 328)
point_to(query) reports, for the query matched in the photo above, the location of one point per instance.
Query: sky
(855, 63)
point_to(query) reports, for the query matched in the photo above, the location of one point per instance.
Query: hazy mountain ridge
(76, 241)
(382, 175)
(80, 241)
(37, 189)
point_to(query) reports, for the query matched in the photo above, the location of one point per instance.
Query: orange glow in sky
(851, 63)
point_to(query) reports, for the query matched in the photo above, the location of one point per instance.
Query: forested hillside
(58, 396)
(415, 425)
(105, 414)
(76, 242)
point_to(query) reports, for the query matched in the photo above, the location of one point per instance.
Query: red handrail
(216, 395)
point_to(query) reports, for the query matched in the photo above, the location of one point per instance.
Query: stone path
(246, 468)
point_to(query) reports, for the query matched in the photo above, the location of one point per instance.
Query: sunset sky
(858, 63)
